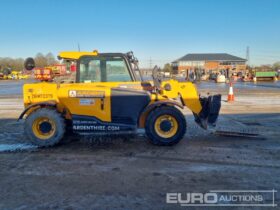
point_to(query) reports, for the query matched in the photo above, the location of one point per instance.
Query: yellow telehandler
(108, 97)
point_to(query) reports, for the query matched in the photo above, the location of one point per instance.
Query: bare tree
(40, 60)
(50, 59)
(16, 64)
(167, 68)
(10, 63)
(276, 65)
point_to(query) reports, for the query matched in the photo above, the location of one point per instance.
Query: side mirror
(130, 55)
(29, 64)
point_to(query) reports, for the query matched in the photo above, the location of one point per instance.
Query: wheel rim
(166, 126)
(43, 128)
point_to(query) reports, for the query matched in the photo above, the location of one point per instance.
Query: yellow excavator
(108, 97)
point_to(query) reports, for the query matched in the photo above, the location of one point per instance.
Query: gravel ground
(133, 174)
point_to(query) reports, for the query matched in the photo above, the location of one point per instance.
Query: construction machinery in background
(17, 75)
(108, 97)
(264, 75)
(48, 73)
(43, 74)
(12, 75)
(4, 74)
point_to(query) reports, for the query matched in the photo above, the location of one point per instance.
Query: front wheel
(165, 125)
(44, 127)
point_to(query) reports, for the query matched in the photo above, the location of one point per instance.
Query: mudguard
(164, 102)
(40, 104)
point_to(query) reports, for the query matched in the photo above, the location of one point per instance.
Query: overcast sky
(158, 30)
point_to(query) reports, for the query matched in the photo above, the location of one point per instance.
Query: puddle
(241, 85)
(16, 147)
(252, 123)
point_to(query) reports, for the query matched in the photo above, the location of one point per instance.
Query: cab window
(103, 69)
(117, 71)
(90, 71)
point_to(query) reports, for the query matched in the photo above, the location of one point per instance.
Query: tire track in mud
(215, 162)
(87, 158)
(8, 136)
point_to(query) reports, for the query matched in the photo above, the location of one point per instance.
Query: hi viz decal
(86, 94)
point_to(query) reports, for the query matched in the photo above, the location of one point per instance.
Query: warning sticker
(86, 94)
(72, 93)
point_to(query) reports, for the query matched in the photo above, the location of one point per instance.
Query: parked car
(213, 76)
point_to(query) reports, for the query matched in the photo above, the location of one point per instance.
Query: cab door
(91, 95)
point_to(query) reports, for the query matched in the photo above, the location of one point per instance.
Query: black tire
(56, 127)
(6, 72)
(69, 136)
(150, 129)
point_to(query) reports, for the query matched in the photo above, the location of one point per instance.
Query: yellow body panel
(80, 104)
(187, 91)
(39, 92)
(93, 99)
(89, 100)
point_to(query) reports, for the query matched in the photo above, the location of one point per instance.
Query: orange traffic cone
(230, 93)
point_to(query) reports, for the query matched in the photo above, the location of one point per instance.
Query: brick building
(209, 63)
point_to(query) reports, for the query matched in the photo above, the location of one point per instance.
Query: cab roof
(75, 55)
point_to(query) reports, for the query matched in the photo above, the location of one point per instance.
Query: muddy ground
(133, 174)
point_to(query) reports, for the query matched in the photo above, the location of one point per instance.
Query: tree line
(42, 60)
(17, 64)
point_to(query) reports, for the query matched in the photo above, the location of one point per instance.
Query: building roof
(210, 57)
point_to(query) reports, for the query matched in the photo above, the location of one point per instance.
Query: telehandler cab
(110, 97)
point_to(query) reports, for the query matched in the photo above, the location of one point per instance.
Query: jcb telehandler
(109, 97)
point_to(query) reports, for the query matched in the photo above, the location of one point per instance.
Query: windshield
(103, 69)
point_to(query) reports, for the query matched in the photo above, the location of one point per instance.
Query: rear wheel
(44, 127)
(165, 126)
